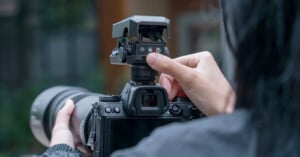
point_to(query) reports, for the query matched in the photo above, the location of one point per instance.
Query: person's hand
(61, 134)
(199, 76)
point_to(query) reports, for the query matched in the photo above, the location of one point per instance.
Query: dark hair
(264, 36)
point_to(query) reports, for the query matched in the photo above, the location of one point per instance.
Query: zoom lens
(50, 101)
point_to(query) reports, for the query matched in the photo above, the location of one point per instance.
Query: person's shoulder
(223, 135)
(231, 133)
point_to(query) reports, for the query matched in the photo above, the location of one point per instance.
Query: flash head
(140, 25)
(137, 37)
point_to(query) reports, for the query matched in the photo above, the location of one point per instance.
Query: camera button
(117, 110)
(150, 49)
(175, 109)
(142, 49)
(108, 110)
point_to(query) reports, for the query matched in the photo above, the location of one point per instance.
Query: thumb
(64, 114)
(164, 64)
(61, 132)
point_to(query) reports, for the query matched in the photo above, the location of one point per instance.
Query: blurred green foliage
(14, 110)
(45, 17)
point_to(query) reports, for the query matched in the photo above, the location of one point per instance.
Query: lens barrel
(46, 106)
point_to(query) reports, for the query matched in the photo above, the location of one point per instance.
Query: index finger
(164, 64)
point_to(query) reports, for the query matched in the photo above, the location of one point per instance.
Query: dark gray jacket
(230, 135)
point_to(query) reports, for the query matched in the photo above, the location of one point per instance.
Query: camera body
(104, 123)
(111, 127)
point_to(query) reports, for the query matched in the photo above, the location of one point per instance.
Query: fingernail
(69, 105)
(69, 102)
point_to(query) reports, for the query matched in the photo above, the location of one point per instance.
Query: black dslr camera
(104, 123)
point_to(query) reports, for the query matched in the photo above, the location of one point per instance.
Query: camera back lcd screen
(124, 133)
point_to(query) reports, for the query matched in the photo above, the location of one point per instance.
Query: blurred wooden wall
(110, 11)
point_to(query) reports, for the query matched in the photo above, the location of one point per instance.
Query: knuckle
(165, 66)
(162, 64)
(206, 55)
(191, 78)
(59, 127)
(60, 112)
